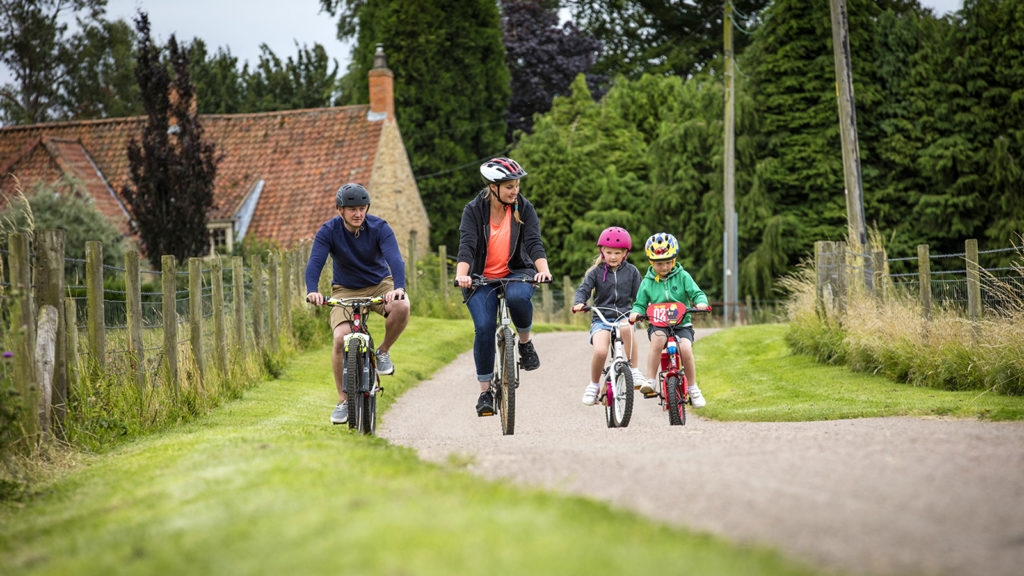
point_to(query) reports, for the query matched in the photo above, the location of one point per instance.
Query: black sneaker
(528, 356)
(485, 405)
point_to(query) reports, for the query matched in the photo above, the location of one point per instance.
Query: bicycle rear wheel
(676, 406)
(620, 404)
(353, 372)
(507, 383)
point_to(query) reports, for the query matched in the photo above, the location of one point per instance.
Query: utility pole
(730, 263)
(848, 126)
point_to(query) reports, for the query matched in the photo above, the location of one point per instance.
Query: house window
(221, 239)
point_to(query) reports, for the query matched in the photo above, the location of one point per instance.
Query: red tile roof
(302, 156)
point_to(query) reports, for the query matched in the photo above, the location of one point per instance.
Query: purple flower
(8, 354)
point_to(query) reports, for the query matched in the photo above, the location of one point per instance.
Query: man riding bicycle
(367, 263)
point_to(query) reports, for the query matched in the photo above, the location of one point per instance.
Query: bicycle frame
(362, 392)
(618, 403)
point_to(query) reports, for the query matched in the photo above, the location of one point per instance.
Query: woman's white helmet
(498, 170)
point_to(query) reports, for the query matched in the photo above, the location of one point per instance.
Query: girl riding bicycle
(666, 281)
(614, 283)
(499, 236)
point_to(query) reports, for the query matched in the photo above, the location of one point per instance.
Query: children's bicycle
(362, 384)
(672, 386)
(506, 360)
(616, 394)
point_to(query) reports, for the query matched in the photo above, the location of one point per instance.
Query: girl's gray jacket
(612, 288)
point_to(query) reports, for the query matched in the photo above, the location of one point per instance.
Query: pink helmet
(615, 237)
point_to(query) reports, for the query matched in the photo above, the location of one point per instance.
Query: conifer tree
(173, 168)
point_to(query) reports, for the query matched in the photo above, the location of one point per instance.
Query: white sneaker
(696, 398)
(638, 378)
(340, 413)
(590, 394)
(646, 386)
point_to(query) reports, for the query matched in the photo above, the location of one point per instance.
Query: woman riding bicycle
(499, 237)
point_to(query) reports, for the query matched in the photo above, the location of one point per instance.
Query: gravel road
(868, 496)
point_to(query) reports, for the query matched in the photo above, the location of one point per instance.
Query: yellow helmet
(661, 246)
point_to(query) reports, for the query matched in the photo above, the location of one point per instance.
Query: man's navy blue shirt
(361, 260)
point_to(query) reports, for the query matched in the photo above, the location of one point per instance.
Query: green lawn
(751, 375)
(264, 486)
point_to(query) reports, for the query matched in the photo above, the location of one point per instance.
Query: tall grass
(891, 336)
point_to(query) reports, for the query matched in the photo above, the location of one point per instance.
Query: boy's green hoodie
(676, 286)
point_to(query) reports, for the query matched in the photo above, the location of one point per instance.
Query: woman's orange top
(498, 245)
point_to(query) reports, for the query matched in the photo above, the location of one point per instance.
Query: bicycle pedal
(482, 414)
(651, 395)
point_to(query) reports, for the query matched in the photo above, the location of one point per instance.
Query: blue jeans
(483, 307)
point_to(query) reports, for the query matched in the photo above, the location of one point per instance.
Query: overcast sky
(243, 25)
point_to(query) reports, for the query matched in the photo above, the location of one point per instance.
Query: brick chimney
(382, 88)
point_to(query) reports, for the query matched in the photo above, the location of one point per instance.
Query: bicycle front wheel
(353, 372)
(507, 384)
(619, 407)
(676, 406)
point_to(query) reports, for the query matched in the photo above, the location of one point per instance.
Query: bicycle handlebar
(597, 309)
(353, 302)
(641, 317)
(481, 281)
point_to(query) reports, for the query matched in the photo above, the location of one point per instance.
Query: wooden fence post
(168, 276)
(23, 337)
(46, 348)
(195, 314)
(257, 302)
(274, 299)
(94, 308)
(50, 291)
(442, 258)
(411, 281)
(974, 307)
(822, 264)
(568, 295)
(71, 329)
(924, 276)
(286, 292)
(545, 292)
(841, 279)
(133, 307)
(220, 337)
(238, 301)
(880, 284)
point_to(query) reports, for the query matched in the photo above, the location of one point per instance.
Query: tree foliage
(543, 58)
(451, 90)
(658, 36)
(33, 47)
(173, 168)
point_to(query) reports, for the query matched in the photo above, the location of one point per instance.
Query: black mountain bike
(506, 351)
(362, 384)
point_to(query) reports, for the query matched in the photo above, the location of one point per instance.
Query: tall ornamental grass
(890, 336)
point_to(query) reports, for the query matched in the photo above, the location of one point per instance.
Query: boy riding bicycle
(667, 281)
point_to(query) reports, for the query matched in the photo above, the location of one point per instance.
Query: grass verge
(750, 374)
(263, 485)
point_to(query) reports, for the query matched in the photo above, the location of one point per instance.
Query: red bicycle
(672, 387)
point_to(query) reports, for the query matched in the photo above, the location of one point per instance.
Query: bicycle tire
(353, 370)
(619, 408)
(508, 384)
(368, 399)
(676, 406)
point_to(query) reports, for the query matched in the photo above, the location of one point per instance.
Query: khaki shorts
(341, 314)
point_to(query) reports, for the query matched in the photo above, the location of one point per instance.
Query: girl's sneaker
(638, 378)
(696, 398)
(590, 394)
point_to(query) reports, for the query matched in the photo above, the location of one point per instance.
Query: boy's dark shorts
(678, 331)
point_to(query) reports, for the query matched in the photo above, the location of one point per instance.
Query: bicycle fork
(362, 341)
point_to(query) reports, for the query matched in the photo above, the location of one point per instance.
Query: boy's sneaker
(638, 378)
(384, 365)
(340, 414)
(528, 356)
(696, 398)
(485, 404)
(646, 386)
(590, 394)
